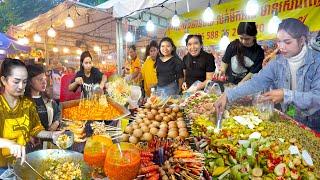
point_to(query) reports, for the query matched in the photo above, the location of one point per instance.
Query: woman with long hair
(88, 75)
(169, 68)
(19, 118)
(294, 76)
(148, 70)
(243, 57)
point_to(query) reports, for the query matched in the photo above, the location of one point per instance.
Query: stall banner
(228, 15)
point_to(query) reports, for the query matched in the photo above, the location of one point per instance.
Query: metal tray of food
(40, 161)
(123, 111)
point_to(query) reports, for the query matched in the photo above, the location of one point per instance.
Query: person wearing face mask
(169, 68)
(19, 119)
(87, 74)
(243, 57)
(148, 71)
(197, 64)
(294, 75)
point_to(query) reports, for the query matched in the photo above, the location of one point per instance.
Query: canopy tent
(138, 12)
(92, 28)
(9, 45)
(124, 8)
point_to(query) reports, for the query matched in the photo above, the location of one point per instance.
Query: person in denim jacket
(294, 77)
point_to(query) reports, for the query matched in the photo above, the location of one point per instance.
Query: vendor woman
(87, 75)
(243, 56)
(294, 75)
(19, 119)
(197, 64)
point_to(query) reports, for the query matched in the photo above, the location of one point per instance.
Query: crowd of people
(289, 75)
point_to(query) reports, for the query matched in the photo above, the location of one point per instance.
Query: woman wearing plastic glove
(198, 65)
(294, 75)
(243, 56)
(19, 119)
(87, 74)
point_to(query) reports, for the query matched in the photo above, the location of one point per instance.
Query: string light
(66, 50)
(143, 50)
(55, 49)
(252, 8)
(51, 32)
(37, 37)
(2, 51)
(273, 23)
(20, 41)
(183, 40)
(150, 25)
(207, 15)
(25, 40)
(129, 37)
(79, 51)
(175, 21)
(69, 22)
(224, 41)
(97, 49)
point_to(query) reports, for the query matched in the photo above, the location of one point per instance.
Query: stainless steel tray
(123, 111)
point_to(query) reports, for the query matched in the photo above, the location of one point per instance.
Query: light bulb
(109, 56)
(79, 51)
(66, 61)
(183, 40)
(224, 42)
(96, 48)
(37, 37)
(44, 64)
(129, 37)
(150, 26)
(51, 32)
(252, 8)
(25, 40)
(69, 22)
(66, 50)
(175, 21)
(2, 51)
(207, 15)
(104, 62)
(273, 24)
(20, 41)
(16, 57)
(55, 49)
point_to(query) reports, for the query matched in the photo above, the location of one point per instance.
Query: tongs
(33, 169)
(219, 121)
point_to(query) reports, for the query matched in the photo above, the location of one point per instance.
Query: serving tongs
(34, 170)
(219, 121)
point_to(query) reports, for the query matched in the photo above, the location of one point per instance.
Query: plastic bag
(135, 95)
(212, 88)
(194, 87)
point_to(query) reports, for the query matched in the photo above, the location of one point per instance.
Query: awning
(9, 45)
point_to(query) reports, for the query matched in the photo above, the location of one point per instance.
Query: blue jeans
(169, 90)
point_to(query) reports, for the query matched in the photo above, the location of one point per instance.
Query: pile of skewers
(169, 159)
